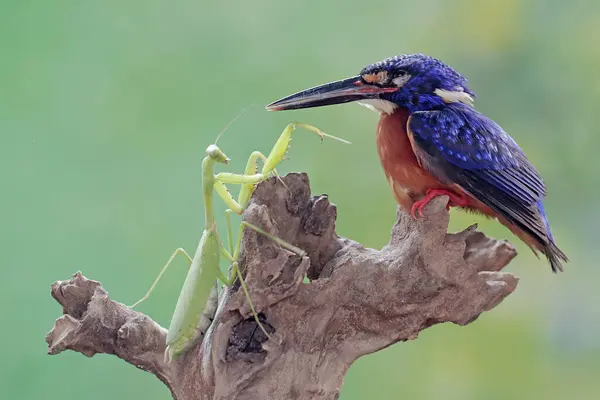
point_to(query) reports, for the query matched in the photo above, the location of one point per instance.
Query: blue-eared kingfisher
(432, 141)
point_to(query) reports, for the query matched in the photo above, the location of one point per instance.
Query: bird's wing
(461, 146)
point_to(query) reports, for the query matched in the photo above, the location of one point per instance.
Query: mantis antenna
(232, 121)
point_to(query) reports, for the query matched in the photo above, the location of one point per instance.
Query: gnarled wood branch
(358, 301)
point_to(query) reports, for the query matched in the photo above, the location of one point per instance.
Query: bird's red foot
(455, 201)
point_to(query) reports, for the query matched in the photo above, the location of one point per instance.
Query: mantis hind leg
(161, 273)
(274, 238)
(236, 273)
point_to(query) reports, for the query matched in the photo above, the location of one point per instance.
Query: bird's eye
(401, 76)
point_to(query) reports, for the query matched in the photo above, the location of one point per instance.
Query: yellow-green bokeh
(106, 108)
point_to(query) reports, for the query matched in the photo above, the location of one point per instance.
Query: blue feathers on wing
(459, 145)
(468, 140)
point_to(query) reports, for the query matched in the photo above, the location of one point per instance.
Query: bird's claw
(455, 201)
(417, 208)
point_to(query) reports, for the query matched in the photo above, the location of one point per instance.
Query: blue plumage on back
(466, 138)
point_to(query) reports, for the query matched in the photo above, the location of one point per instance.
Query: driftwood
(358, 301)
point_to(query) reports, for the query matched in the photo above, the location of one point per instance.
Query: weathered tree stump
(358, 301)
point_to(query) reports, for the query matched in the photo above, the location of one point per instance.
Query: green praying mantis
(198, 300)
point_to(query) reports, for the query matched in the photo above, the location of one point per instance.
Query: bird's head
(412, 81)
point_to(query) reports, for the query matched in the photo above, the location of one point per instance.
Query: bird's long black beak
(344, 91)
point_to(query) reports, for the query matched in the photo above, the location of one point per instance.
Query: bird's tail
(554, 255)
(536, 239)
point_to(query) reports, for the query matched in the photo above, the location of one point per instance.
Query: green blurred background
(106, 108)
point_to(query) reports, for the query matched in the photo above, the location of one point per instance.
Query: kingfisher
(432, 142)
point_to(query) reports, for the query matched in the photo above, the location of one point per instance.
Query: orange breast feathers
(407, 179)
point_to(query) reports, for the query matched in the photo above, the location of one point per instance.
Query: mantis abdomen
(197, 301)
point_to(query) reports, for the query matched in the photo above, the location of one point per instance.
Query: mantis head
(215, 153)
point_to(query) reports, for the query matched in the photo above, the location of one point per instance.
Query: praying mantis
(198, 299)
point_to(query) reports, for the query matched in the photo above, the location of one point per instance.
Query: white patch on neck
(458, 96)
(379, 105)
